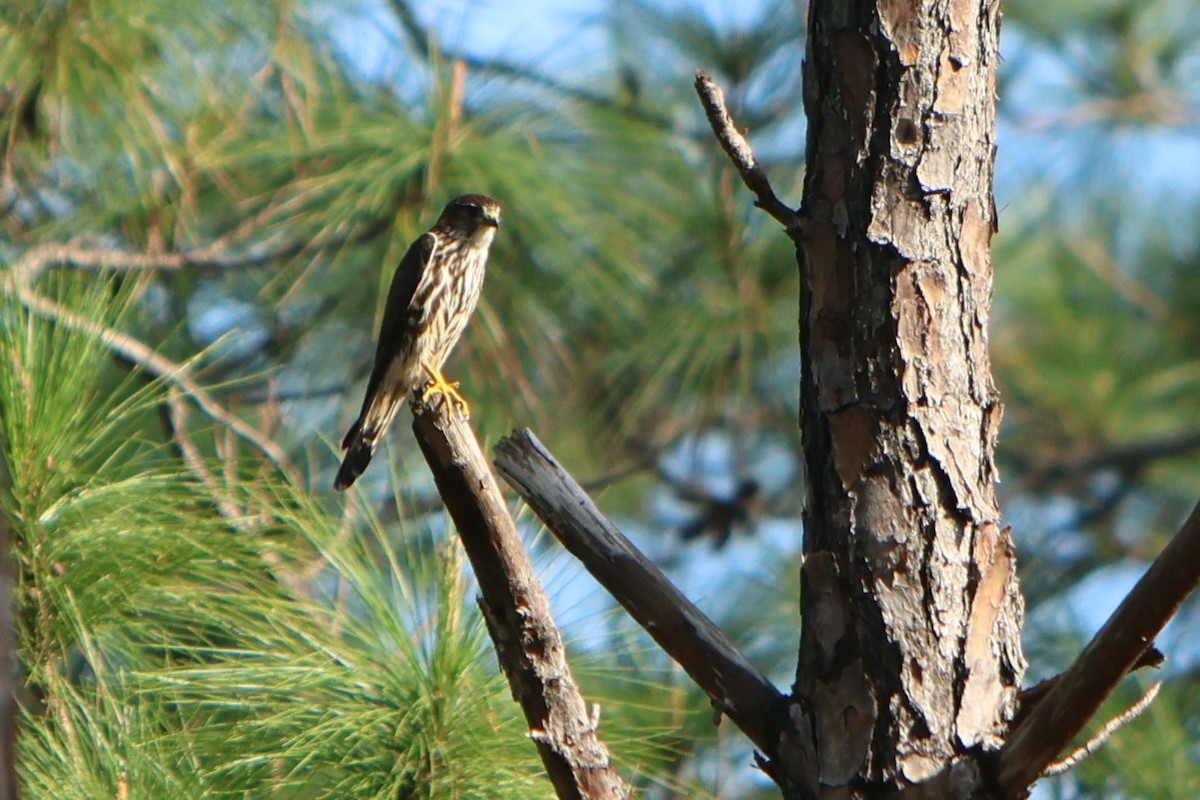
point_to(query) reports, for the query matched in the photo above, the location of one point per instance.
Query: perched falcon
(434, 291)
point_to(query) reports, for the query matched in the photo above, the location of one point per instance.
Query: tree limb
(1113, 651)
(736, 688)
(528, 644)
(161, 367)
(1101, 736)
(229, 510)
(218, 255)
(1126, 457)
(740, 153)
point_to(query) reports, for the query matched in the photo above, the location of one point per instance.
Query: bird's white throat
(483, 236)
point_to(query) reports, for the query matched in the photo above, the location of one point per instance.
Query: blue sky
(559, 36)
(562, 39)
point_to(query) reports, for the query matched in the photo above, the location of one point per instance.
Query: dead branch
(528, 644)
(1097, 741)
(1029, 697)
(221, 254)
(1113, 651)
(1125, 457)
(736, 688)
(740, 153)
(159, 366)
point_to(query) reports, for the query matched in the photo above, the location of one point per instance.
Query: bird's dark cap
(489, 207)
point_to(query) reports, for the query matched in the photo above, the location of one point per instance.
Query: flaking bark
(910, 652)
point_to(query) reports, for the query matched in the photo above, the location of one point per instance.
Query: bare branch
(1030, 696)
(36, 259)
(300, 394)
(527, 642)
(1114, 650)
(736, 688)
(1112, 726)
(219, 255)
(1126, 457)
(238, 516)
(177, 416)
(417, 37)
(740, 153)
(176, 374)
(519, 72)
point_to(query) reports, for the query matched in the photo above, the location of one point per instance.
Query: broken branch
(735, 687)
(740, 153)
(1112, 726)
(1113, 651)
(528, 643)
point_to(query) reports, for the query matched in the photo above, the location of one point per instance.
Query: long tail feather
(359, 450)
(352, 434)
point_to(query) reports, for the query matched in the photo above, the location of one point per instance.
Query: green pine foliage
(172, 652)
(200, 618)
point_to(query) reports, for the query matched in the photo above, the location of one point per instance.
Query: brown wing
(396, 315)
(400, 322)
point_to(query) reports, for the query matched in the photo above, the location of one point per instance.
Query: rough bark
(910, 653)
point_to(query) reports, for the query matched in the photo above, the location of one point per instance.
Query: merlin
(434, 291)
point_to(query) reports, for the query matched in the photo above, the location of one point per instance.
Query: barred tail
(367, 431)
(359, 450)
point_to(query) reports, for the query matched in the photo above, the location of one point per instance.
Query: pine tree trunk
(910, 653)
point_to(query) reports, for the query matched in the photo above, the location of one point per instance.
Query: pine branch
(219, 255)
(1125, 457)
(735, 687)
(159, 366)
(517, 611)
(1113, 652)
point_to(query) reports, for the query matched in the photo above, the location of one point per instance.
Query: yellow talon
(438, 384)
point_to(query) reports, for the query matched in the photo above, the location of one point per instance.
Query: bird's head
(474, 215)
